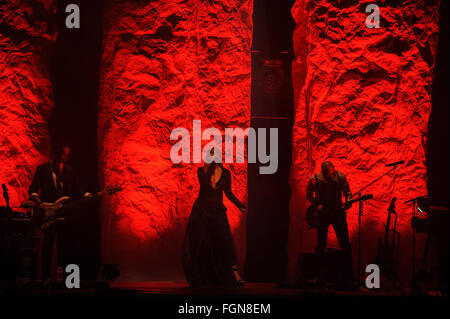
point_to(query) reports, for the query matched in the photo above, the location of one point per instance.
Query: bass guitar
(49, 213)
(313, 215)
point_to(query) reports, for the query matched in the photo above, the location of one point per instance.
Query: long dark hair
(212, 168)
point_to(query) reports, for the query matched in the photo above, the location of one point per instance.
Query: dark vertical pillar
(74, 72)
(437, 149)
(437, 144)
(272, 107)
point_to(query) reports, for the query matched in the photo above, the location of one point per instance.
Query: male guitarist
(324, 192)
(52, 181)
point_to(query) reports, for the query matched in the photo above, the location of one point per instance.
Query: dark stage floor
(263, 300)
(181, 289)
(250, 289)
(255, 300)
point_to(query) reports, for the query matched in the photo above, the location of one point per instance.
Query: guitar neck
(359, 199)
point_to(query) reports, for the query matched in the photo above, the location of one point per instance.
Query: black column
(75, 74)
(437, 144)
(272, 107)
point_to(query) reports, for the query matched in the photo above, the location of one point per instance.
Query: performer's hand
(60, 201)
(243, 209)
(36, 199)
(347, 206)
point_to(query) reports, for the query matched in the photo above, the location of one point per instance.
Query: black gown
(208, 249)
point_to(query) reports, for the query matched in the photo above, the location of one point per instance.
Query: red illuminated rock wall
(165, 64)
(362, 100)
(26, 39)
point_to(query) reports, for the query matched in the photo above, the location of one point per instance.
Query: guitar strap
(337, 186)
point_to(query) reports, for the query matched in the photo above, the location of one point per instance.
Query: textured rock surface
(166, 63)
(26, 39)
(362, 100)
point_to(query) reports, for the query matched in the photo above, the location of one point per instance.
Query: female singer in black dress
(209, 256)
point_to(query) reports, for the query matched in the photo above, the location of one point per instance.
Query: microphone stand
(359, 218)
(375, 180)
(360, 212)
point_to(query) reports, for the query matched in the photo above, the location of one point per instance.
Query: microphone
(395, 163)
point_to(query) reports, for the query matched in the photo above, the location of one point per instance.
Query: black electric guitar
(313, 215)
(53, 212)
(387, 246)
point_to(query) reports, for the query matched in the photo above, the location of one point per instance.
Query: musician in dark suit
(325, 191)
(52, 181)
